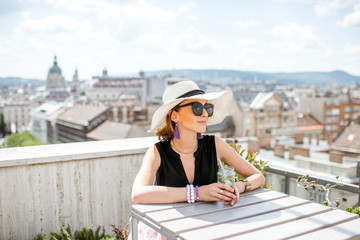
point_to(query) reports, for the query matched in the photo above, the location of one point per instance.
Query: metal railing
(295, 174)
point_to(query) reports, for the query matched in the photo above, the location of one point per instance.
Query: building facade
(39, 122)
(269, 113)
(74, 124)
(17, 115)
(335, 113)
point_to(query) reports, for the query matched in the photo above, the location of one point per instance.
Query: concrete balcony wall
(345, 170)
(294, 150)
(43, 187)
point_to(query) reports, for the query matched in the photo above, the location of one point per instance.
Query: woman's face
(188, 120)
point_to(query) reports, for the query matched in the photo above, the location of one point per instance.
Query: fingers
(233, 200)
(237, 193)
(225, 187)
(226, 193)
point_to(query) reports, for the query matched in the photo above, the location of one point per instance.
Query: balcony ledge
(73, 151)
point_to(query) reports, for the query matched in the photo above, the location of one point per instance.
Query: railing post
(358, 175)
(287, 183)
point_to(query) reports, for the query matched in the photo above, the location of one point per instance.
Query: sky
(126, 36)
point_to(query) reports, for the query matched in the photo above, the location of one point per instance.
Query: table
(259, 214)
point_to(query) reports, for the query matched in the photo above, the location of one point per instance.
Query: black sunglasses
(198, 108)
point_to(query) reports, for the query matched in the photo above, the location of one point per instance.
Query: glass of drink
(226, 175)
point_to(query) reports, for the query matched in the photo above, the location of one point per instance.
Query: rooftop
(82, 114)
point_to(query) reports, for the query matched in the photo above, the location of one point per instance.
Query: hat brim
(220, 100)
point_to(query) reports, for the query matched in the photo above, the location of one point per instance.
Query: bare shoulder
(219, 142)
(152, 155)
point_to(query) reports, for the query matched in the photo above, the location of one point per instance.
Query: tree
(22, 140)
(2, 125)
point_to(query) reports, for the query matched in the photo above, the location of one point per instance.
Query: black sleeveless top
(171, 172)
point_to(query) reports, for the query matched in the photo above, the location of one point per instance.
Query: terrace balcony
(80, 184)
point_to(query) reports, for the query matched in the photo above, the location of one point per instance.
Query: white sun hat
(183, 90)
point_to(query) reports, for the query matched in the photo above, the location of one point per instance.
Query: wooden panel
(347, 230)
(299, 227)
(141, 209)
(230, 214)
(255, 223)
(194, 210)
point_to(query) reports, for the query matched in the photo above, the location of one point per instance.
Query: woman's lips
(202, 122)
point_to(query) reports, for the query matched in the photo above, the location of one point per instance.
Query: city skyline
(126, 36)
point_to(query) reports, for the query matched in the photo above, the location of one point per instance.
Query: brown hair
(166, 132)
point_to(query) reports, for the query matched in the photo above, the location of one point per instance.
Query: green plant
(2, 125)
(21, 140)
(87, 233)
(356, 210)
(251, 158)
(121, 234)
(303, 181)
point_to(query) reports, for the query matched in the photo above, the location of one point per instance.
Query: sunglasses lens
(209, 109)
(197, 108)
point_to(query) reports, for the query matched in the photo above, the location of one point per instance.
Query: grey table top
(259, 214)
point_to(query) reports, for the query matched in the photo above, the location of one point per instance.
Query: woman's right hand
(216, 192)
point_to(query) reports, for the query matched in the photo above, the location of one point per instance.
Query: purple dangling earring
(176, 132)
(199, 136)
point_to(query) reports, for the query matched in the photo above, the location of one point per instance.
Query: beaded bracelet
(192, 193)
(197, 194)
(188, 193)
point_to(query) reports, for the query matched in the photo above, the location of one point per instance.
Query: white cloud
(352, 49)
(296, 38)
(248, 46)
(246, 24)
(193, 41)
(327, 7)
(141, 11)
(352, 19)
(52, 24)
(186, 7)
(246, 42)
(331, 7)
(192, 18)
(151, 41)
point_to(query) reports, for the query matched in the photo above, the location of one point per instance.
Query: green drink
(226, 176)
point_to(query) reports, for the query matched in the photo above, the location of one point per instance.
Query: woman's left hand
(237, 194)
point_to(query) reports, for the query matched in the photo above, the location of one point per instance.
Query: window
(335, 111)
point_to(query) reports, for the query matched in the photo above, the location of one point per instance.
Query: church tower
(75, 83)
(55, 81)
(55, 84)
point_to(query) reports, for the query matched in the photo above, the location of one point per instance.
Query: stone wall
(279, 150)
(81, 184)
(293, 150)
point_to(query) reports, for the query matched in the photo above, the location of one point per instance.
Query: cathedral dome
(55, 68)
(55, 81)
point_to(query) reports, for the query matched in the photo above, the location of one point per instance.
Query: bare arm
(243, 167)
(144, 191)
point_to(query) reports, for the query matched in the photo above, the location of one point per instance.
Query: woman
(183, 165)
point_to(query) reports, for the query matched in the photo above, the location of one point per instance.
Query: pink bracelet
(192, 197)
(188, 193)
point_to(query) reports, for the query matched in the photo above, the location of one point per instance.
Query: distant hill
(334, 78)
(14, 81)
(297, 78)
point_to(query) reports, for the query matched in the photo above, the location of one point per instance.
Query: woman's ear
(173, 116)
